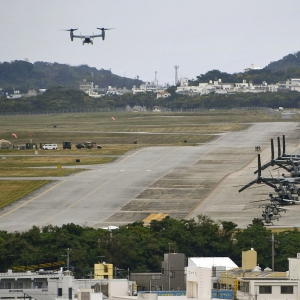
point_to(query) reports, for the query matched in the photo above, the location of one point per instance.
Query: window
(155, 277)
(288, 289)
(265, 289)
(172, 274)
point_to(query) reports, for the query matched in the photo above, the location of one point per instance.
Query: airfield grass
(12, 190)
(100, 128)
(127, 132)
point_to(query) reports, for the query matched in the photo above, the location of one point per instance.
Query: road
(177, 181)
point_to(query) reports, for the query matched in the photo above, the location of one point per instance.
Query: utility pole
(273, 252)
(68, 258)
(101, 258)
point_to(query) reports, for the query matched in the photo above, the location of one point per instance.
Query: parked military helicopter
(281, 161)
(271, 212)
(87, 38)
(282, 186)
(273, 208)
(271, 181)
(268, 218)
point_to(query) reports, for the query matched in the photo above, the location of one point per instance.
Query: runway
(180, 181)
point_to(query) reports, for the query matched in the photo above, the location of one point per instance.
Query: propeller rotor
(103, 31)
(71, 32)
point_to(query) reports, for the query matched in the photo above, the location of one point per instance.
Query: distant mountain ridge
(287, 62)
(23, 76)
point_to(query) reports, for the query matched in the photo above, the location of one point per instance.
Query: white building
(49, 285)
(117, 91)
(147, 87)
(198, 283)
(219, 87)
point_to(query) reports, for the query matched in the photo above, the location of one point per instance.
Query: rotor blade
(264, 166)
(258, 165)
(105, 28)
(247, 185)
(272, 149)
(71, 29)
(260, 200)
(268, 183)
(283, 145)
(278, 145)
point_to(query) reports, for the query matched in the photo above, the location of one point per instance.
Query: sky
(152, 37)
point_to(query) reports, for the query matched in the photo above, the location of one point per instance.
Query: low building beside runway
(4, 144)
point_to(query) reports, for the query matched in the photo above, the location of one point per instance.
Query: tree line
(141, 248)
(23, 76)
(62, 98)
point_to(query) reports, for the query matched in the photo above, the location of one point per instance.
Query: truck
(67, 145)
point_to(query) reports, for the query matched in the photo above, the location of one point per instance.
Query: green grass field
(127, 132)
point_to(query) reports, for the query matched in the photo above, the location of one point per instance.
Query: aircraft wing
(96, 35)
(78, 36)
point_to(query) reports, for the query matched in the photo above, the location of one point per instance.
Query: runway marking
(163, 157)
(78, 201)
(25, 203)
(130, 155)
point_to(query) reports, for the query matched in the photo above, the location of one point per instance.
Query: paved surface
(182, 182)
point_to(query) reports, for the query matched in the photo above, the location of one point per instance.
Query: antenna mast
(176, 74)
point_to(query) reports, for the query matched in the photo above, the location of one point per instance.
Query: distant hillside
(23, 75)
(287, 62)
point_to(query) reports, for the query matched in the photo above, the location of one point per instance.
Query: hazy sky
(150, 36)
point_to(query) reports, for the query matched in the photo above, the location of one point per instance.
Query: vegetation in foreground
(141, 248)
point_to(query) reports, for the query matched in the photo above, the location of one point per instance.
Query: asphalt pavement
(180, 181)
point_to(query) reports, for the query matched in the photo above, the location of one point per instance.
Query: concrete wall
(198, 283)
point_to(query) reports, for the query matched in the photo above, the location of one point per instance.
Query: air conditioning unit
(298, 255)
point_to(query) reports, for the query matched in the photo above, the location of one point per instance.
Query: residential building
(171, 278)
(117, 91)
(49, 285)
(148, 87)
(219, 87)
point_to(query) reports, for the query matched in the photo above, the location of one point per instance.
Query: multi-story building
(219, 87)
(171, 278)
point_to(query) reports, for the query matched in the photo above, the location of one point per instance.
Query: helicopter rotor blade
(283, 145)
(247, 185)
(259, 165)
(278, 145)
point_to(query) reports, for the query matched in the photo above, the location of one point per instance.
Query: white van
(50, 147)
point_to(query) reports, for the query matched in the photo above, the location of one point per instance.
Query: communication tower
(176, 74)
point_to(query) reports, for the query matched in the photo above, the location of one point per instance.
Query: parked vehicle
(79, 146)
(67, 145)
(50, 147)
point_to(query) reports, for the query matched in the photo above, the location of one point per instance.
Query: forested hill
(23, 76)
(290, 61)
(281, 70)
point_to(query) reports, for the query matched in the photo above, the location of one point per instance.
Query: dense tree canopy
(62, 99)
(141, 248)
(23, 75)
